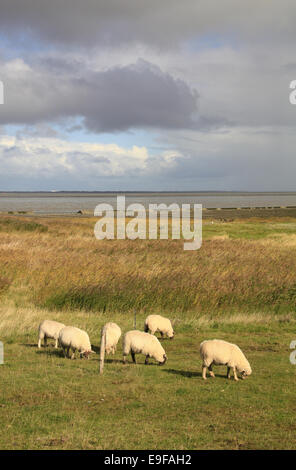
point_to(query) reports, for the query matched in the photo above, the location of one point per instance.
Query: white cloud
(239, 159)
(49, 157)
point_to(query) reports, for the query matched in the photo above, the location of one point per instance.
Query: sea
(72, 202)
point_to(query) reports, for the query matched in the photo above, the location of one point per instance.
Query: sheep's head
(246, 372)
(85, 354)
(161, 363)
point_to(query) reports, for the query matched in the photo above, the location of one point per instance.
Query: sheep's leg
(45, 341)
(39, 343)
(124, 359)
(73, 354)
(234, 374)
(228, 372)
(210, 371)
(146, 360)
(204, 372)
(65, 352)
(68, 352)
(133, 357)
(56, 344)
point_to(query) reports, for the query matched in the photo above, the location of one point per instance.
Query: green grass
(248, 231)
(48, 402)
(108, 298)
(17, 225)
(280, 300)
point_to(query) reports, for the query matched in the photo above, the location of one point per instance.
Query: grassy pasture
(240, 286)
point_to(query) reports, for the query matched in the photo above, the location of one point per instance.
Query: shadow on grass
(34, 345)
(187, 373)
(49, 349)
(184, 373)
(138, 363)
(51, 352)
(96, 349)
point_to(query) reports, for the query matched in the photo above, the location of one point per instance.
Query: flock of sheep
(213, 352)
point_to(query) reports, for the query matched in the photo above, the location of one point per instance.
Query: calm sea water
(66, 203)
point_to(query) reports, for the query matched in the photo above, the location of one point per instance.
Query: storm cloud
(166, 23)
(133, 96)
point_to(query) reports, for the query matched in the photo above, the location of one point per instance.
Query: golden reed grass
(64, 267)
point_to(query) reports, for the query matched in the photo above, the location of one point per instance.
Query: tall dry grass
(64, 267)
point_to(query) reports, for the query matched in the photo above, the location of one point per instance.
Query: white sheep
(219, 352)
(138, 342)
(49, 329)
(110, 335)
(155, 323)
(73, 338)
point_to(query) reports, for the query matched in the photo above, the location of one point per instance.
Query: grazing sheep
(49, 329)
(110, 335)
(155, 323)
(219, 352)
(138, 342)
(73, 338)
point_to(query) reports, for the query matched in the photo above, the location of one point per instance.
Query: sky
(136, 95)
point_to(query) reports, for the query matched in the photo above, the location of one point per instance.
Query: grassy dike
(240, 286)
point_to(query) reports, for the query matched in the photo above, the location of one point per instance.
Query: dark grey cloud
(135, 96)
(140, 95)
(235, 88)
(165, 22)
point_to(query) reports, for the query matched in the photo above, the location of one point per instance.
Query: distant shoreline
(226, 214)
(103, 193)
